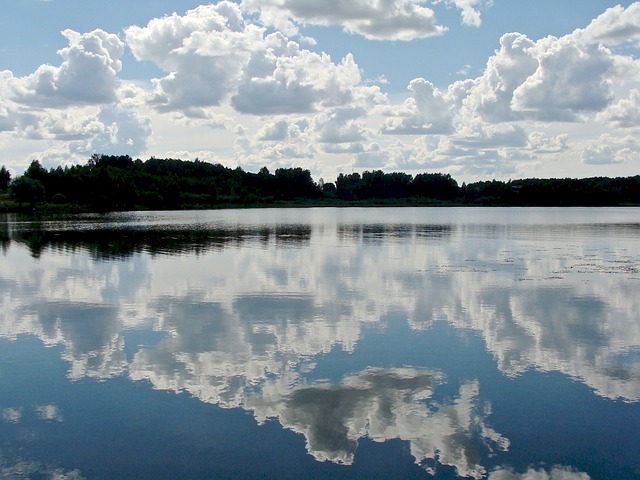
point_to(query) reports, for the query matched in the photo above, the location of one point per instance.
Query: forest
(117, 183)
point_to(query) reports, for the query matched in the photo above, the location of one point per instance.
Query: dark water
(322, 343)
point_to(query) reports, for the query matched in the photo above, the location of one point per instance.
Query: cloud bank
(554, 104)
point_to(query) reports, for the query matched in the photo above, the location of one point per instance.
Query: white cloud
(342, 125)
(87, 75)
(373, 157)
(65, 137)
(487, 150)
(374, 20)
(383, 404)
(558, 472)
(15, 467)
(112, 129)
(234, 68)
(345, 147)
(611, 150)
(470, 10)
(626, 112)
(489, 96)
(277, 144)
(12, 414)
(388, 157)
(54, 124)
(464, 70)
(212, 56)
(617, 25)
(63, 126)
(7, 109)
(553, 79)
(49, 413)
(206, 117)
(163, 39)
(277, 131)
(569, 80)
(117, 131)
(541, 143)
(427, 111)
(494, 124)
(203, 53)
(300, 84)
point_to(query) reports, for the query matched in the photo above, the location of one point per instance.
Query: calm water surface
(322, 343)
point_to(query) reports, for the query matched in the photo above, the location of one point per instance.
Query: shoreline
(54, 210)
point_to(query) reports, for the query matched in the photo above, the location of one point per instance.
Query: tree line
(109, 183)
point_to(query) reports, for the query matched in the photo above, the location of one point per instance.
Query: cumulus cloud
(569, 80)
(427, 111)
(7, 111)
(277, 141)
(390, 157)
(541, 143)
(383, 404)
(490, 95)
(373, 157)
(617, 25)
(611, 150)
(553, 79)
(18, 468)
(277, 131)
(211, 55)
(300, 83)
(558, 472)
(494, 151)
(119, 130)
(274, 154)
(334, 417)
(488, 136)
(276, 145)
(626, 112)
(49, 413)
(163, 39)
(203, 53)
(470, 10)
(299, 140)
(485, 124)
(12, 414)
(87, 74)
(229, 58)
(113, 129)
(206, 117)
(374, 20)
(343, 125)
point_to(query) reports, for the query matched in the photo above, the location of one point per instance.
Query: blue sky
(480, 89)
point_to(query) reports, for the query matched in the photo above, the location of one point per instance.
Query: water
(322, 343)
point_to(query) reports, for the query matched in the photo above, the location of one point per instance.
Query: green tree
(5, 178)
(372, 184)
(434, 185)
(36, 171)
(25, 189)
(348, 186)
(295, 183)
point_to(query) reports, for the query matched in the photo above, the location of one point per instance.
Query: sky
(479, 89)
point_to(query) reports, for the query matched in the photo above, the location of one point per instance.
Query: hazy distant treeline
(108, 183)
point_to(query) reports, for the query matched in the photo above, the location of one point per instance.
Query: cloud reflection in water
(383, 404)
(247, 310)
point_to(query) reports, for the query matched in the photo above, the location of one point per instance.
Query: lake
(499, 343)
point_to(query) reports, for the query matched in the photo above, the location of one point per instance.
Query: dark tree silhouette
(27, 190)
(108, 182)
(5, 178)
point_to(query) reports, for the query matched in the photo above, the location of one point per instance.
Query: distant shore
(119, 183)
(53, 210)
